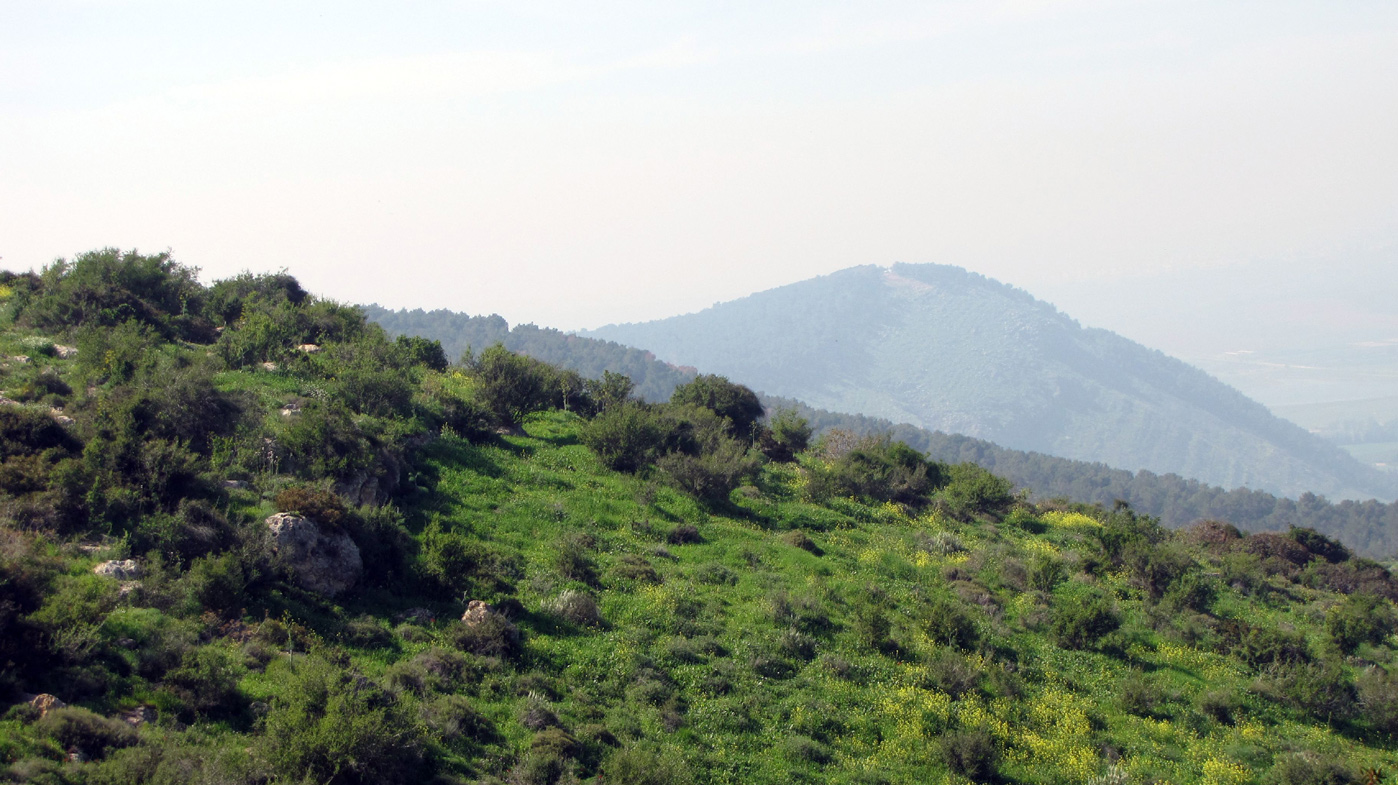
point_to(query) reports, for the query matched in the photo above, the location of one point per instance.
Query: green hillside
(944, 349)
(351, 562)
(1370, 527)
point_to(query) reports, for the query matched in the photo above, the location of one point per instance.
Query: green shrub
(74, 727)
(206, 681)
(948, 623)
(736, 404)
(1308, 768)
(952, 673)
(1322, 689)
(626, 437)
(1359, 619)
(971, 488)
(1082, 622)
(1047, 572)
(512, 385)
(644, 765)
(328, 725)
(877, 469)
(714, 473)
(787, 434)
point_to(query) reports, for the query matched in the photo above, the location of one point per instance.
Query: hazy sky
(574, 164)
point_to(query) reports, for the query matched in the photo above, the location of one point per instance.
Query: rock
(477, 611)
(60, 418)
(76, 755)
(20, 359)
(139, 716)
(269, 366)
(65, 352)
(235, 485)
(309, 348)
(323, 561)
(9, 402)
(126, 587)
(44, 702)
(121, 569)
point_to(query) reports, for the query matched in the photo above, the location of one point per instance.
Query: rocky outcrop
(320, 559)
(120, 569)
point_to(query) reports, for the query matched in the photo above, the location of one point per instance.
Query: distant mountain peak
(942, 347)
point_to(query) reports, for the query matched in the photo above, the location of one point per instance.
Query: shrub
(1358, 619)
(575, 562)
(493, 636)
(1046, 572)
(804, 749)
(432, 670)
(643, 765)
(970, 754)
(1221, 705)
(626, 437)
(950, 624)
(74, 727)
(788, 434)
(1081, 623)
(798, 539)
(736, 404)
(329, 725)
(971, 488)
(877, 469)
(1378, 698)
(684, 534)
(1308, 768)
(318, 504)
(575, 607)
(631, 567)
(1156, 568)
(1320, 545)
(952, 673)
(1261, 646)
(1322, 689)
(451, 717)
(206, 681)
(1139, 695)
(712, 474)
(511, 385)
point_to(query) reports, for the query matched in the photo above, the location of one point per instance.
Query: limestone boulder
(120, 569)
(320, 559)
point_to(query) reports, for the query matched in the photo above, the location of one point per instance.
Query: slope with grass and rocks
(246, 537)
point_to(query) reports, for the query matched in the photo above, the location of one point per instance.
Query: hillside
(246, 537)
(1370, 527)
(460, 333)
(944, 349)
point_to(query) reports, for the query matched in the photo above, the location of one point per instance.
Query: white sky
(574, 164)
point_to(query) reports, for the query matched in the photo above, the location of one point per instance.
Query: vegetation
(562, 583)
(1371, 526)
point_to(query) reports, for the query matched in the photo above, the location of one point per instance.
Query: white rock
(325, 562)
(121, 569)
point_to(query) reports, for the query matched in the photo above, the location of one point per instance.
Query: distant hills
(1370, 527)
(945, 349)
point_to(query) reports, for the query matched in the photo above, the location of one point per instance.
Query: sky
(576, 164)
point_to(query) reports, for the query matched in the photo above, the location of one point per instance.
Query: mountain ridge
(947, 349)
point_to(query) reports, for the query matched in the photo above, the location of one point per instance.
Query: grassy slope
(746, 659)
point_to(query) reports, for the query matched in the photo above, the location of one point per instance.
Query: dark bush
(642, 765)
(1269, 545)
(511, 385)
(1323, 689)
(1222, 705)
(733, 402)
(626, 437)
(949, 623)
(804, 749)
(684, 534)
(1320, 545)
(575, 561)
(1378, 699)
(451, 717)
(423, 351)
(318, 504)
(1140, 695)
(1082, 622)
(432, 670)
(110, 287)
(1260, 646)
(798, 539)
(970, 754)
(952, 673)
(1358, 619)
(493, 636)
(632, 567)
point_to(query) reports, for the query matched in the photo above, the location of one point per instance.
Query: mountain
(945, 349)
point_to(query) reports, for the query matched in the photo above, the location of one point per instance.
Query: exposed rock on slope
(325, 562)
